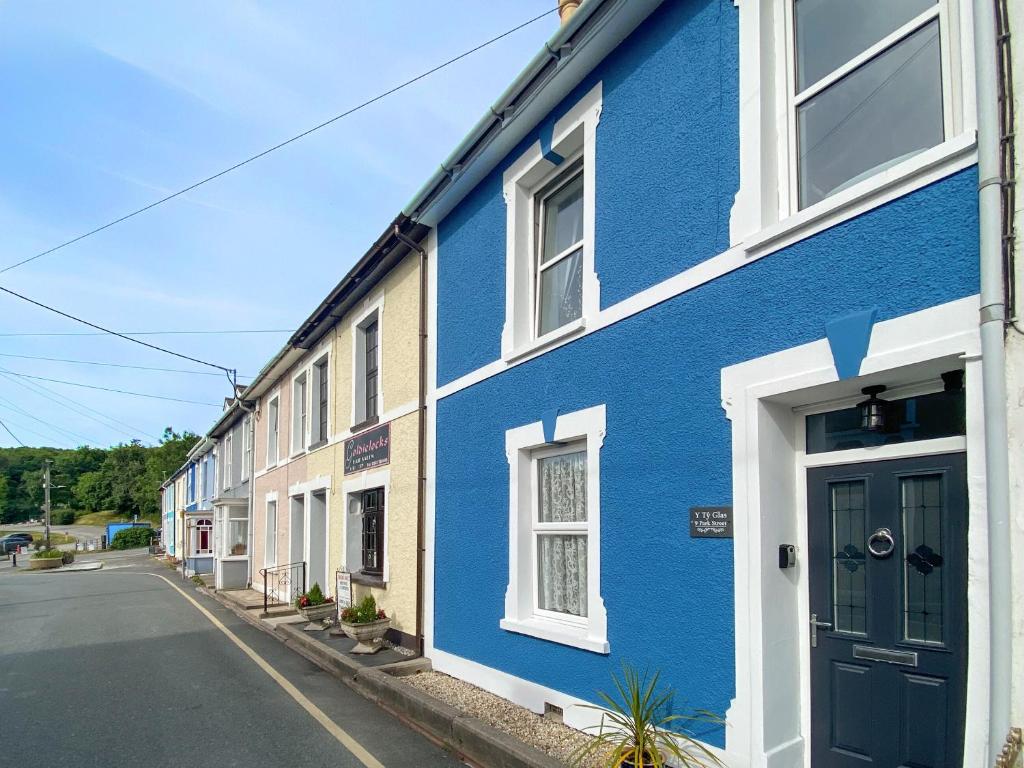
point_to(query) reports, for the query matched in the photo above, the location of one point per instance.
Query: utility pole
(46, 500)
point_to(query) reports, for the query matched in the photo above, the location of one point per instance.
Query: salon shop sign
(370, 449)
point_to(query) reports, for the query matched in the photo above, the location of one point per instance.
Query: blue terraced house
(704, 378)
(198, 530)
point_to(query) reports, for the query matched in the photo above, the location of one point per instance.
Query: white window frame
(246, 446)
(316, 373)
(270, 534)
(766, 212)
(300, 412)
(274, 429)
(372, 310)
(523, 447)
(228, 463)
(573, 137)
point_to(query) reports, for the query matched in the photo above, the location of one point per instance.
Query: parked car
(12, 541)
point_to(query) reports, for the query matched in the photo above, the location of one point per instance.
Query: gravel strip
(547, 735)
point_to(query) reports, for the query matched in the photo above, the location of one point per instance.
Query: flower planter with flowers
(315, 607)
(366, 624)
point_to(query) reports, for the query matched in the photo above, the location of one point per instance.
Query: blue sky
(106, 106)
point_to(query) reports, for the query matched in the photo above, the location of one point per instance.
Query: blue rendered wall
(669, 598)
(677, 78)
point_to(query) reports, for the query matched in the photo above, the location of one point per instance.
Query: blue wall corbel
(546, 135)
(849, 336)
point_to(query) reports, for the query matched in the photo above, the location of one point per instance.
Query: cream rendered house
(337, 443)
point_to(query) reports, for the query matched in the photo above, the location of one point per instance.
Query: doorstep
(378, 677)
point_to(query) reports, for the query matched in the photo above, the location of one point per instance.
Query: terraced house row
(691, 355)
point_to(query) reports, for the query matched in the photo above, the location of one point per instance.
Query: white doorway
(317, 547)
(297, 538)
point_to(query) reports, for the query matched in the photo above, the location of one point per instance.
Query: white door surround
(766, 399)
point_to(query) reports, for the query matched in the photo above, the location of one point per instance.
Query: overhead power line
(280, 145)
(109, 389)
(46, 439)
(5, 403)
(59, 398)
(13, 435)
(228, 371)
(152, 333)
(111, 365)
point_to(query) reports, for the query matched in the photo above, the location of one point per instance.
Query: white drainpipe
(993, 362)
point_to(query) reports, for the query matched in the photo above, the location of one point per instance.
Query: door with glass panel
(888, 623)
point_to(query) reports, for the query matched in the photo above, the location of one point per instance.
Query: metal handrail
(282, 575)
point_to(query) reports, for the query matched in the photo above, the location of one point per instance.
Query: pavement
(116, 667)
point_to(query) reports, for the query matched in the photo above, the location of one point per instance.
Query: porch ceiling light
(872, 410)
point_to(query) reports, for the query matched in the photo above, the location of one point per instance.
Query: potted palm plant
(366, 624)
(315, 607)
(638, 729)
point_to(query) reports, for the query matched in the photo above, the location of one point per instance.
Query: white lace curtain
(563, 556)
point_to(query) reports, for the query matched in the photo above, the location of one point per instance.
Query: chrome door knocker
(881, 543)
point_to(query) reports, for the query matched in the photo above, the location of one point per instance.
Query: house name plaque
(710, 522)
(370, 449)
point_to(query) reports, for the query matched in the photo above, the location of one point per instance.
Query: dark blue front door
(888, 588)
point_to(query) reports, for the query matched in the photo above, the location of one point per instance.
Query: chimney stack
(566, 8)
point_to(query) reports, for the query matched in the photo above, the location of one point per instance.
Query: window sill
(898, 180)
(233, 557)
(369, 581)
(317, 444)
(364, 425)
(556, 632)
(296, 454)
(547, 340)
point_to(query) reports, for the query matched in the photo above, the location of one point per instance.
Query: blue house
(200, 483)
(704, 378)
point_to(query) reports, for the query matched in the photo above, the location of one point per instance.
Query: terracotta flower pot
(367, 636)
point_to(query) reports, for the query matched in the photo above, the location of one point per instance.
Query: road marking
(318, 714)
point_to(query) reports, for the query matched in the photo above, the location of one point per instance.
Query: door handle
(815, 626)
(883, 537)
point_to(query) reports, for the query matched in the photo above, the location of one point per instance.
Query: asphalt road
(116, 668)
(81, 532)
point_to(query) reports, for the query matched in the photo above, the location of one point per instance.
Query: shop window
(372, 511)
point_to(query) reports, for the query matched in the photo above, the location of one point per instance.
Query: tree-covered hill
(125, 478)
